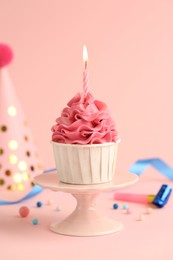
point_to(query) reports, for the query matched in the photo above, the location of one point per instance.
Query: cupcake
(85, 140)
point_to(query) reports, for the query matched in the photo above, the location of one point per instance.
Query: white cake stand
(85, 220)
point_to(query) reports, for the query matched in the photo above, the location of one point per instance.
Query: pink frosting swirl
(84, 121)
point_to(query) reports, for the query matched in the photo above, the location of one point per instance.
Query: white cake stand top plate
(51, 181)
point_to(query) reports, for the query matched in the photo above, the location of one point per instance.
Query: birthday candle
(85, 72)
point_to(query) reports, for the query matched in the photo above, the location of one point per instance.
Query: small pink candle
(85, 73)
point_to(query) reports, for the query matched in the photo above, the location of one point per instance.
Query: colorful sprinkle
(35, 221)
(141, 217)
(115, 206)
(58, 209)
(39, 204)
(148, 211)
(24, 212)
(125, 206)
(49, 202)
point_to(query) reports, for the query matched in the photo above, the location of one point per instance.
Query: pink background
(130, 65)
(130, 46)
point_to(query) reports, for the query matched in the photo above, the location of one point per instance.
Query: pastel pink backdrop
(130, 66)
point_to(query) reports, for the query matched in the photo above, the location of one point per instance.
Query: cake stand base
(103, 227)
(85, 220)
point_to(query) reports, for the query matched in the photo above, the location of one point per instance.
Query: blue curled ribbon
(33, 192)
(139, 166)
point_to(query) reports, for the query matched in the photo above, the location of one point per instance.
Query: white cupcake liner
(85, 164)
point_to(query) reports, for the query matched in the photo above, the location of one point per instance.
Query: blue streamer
(34, 191)
(139, 166)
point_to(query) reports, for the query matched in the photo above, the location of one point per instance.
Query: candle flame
(85, 56)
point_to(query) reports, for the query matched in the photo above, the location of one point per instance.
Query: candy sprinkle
(50, 202)
(35, 221)
(115, 206)
(125, 206)
(141, 217)
(148, 211)
(24, 211)
(39, 204)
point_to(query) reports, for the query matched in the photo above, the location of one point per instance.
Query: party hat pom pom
(6, 55)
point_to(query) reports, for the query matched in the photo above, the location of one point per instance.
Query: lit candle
(85, 73)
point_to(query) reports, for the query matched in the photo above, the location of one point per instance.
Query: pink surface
(148, 239)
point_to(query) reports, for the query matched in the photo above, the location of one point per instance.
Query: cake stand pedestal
(85, 220)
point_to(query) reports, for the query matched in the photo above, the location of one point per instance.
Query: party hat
(19, 161)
